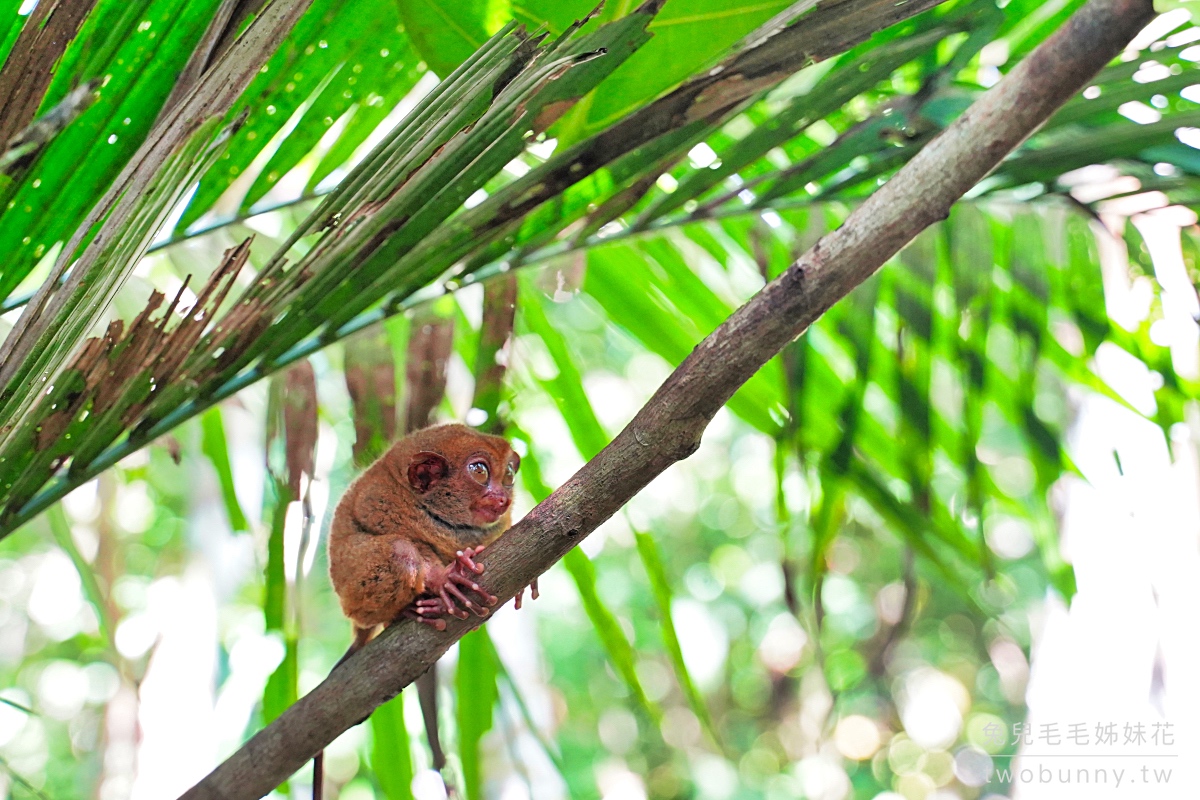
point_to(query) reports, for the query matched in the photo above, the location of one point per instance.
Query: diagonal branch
(669, 426)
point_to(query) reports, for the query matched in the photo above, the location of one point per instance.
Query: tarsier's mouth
(489, 515)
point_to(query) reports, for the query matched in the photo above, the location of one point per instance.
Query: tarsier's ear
(425, 469)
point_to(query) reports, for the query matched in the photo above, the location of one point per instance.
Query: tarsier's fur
(407, 522)
(387, 537)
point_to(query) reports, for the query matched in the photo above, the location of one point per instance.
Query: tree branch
(669, 426)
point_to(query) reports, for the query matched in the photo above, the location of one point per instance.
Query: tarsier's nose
(493, 504)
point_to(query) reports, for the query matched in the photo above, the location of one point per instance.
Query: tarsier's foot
(533, 594)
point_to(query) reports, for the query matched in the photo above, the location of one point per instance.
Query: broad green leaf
(369, 111)
(378, 56)
(59, 189)
(620, 652)
(475, 695)
(282, 687)
(10, 24)
(1034, 20)
(324, 39)
(103, 31)
(213, 445)
(688, 34)
(391, 754)
(60, 528)
(446, 33)
(661, 588)
(281, 690)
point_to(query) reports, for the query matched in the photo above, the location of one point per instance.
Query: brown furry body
(405, 533)
(390, 541)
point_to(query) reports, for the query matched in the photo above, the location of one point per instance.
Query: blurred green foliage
(833, 598)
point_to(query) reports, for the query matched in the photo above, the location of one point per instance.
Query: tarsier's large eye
(479, 471)
(510, 474)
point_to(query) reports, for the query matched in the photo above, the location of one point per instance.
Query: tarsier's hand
(446, 592)
(443, 590)
(465, 561)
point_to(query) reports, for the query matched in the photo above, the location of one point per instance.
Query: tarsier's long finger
(411, 613)
(449, 590)
(466, 559)
(466, 601)
(431, 607)
(533, 594)
(451, 607)
(466, 582)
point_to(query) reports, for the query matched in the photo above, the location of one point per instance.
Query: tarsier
(406, 533)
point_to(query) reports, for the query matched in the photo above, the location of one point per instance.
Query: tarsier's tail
(318, 776)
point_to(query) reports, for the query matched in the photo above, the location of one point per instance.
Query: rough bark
(669, 426)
